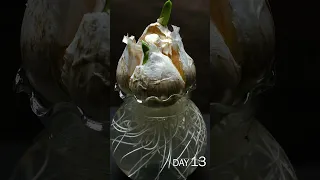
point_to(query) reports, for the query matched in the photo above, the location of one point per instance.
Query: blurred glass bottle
(241, 148)
(72, 145)
(242, 44)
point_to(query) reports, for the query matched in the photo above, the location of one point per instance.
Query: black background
(290, 110)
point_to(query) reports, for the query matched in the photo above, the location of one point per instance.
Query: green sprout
(107, 6)
(145, 49)
(165, 13)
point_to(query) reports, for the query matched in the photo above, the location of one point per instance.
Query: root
(174, 137)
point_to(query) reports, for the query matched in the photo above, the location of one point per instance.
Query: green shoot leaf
(145, 49)
(107, 6)
(165, 13)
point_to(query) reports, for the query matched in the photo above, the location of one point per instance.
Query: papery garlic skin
(158, 77)
(248, 31)
(170, 70)
(131, 57)
(86, 72)
(48, 27)
(187, 62)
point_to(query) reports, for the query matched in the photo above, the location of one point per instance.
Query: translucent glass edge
(22, 85)
(171, 98)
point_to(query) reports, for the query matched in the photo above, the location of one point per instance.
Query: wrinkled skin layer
(86, 69)
(193, 19)
(248, 31)
(163, 82)
(48, 28)
(168, 71)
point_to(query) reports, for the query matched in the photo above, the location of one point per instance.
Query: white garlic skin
(158, 77)
(168, 71)
(131, 57)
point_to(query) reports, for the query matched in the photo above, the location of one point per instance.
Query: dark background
(290, 110)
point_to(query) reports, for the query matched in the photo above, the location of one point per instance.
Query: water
(146, 140)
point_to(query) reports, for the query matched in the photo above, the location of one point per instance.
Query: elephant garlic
(157, 64)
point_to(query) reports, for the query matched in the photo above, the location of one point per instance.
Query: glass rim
(154, 101)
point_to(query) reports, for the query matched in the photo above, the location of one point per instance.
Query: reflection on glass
(241, 148)
(146, 142)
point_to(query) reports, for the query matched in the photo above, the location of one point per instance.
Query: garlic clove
(158, 77)
(187, 63)
(130, 58)
(170, 44)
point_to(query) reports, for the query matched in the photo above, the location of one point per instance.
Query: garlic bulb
(86, 69)
(247, 29)
(225, 71)
(255, 31)
(163, 70)
(48, 28)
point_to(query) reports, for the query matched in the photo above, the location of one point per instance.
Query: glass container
(72, 146)
(242, 148)
(151, 141)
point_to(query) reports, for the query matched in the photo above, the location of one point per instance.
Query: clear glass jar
(241, 148)
(71, 146)
(147, 142)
